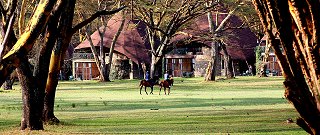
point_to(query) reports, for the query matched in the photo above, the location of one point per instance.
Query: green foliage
(188, 74)
(246, 105)
(258, 50)
(119, 71)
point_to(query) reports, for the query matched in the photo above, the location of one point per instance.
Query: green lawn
(246, 105)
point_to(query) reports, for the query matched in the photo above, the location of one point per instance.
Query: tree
(104, 65)
(113, 43)
(211, 69)
(216, 31)
(297, 25)
(259, 59)
(17, 58)
(243, 10)
(265, 60)
(66, 31)
(51, 25)
(163, 19)
(228, 71)
(7, 35)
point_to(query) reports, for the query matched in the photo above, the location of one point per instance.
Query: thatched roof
(240, 41)
(131, 42)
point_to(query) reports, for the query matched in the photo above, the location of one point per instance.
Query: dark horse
(150, 83)
(166, 84)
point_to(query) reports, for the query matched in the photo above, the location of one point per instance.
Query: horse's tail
(160, 83)
(171, 81)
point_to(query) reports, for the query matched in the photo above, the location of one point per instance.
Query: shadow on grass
(266, 121)
(9, 124)
(296, 130)
(165, 104)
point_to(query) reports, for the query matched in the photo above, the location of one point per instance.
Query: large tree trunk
(156, 49)
(211, 70)
(48, 113)
(298, 28)
(153, 66)
(57, 57)
(154, 52)
(113, 43)
(104, 76)
(228, 69)
(95, 53)
(32, 98)
(265, 60)
(100, 60)
(44, 61)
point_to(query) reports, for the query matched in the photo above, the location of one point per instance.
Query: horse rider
(166, 76)
(147, 76)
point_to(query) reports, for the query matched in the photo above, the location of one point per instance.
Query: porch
(85, 67)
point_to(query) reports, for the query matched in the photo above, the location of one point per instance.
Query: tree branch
(2, 10)
(242, 26)
(12, 59)
(94, 16)
(222, 24)
(13, 6)
(6, 37)
(21, 18)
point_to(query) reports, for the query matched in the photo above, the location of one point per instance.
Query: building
(130, 51)
(272, 67)
(190, 51)
(187, 55)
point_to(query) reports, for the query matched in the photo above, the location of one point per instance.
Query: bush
(187, 74)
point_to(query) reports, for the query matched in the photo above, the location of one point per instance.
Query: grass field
(246, 105)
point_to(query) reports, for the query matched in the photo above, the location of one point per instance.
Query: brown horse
(166, 84)
(150, 83)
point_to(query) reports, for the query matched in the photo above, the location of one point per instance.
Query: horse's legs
(145, 89)
(168, 90)
(165, 89)
(160, 89)
(151, 90)
(140, 89)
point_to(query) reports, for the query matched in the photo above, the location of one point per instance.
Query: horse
(166, 84)
(150, 83)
